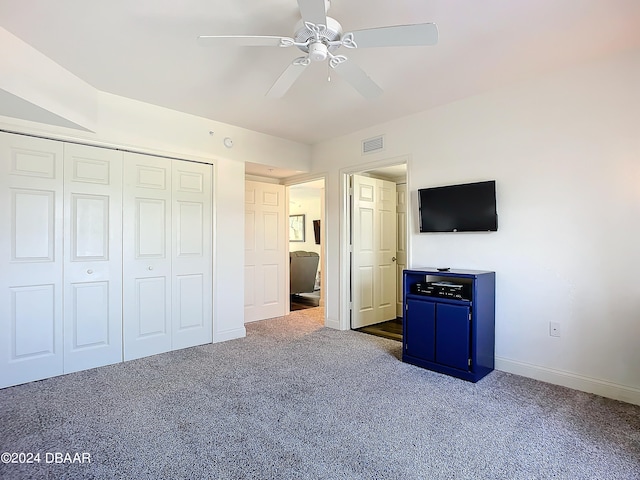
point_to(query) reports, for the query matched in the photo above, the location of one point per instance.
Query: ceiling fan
(319, 36)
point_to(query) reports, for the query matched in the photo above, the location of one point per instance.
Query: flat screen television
(469, 207)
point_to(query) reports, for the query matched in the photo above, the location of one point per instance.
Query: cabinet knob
(89, 271)
(150, 267)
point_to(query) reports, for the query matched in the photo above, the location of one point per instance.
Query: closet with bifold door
(105, 256)
(167, 255)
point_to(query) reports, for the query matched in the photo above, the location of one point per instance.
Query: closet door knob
(89, 271)
(150, 267)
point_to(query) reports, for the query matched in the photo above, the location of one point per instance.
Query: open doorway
(378, 249)
(306, 244)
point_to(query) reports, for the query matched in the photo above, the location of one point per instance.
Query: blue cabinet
(451, 335)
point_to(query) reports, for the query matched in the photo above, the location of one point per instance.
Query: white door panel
(146, 255)
(191, 261)
(33, 310)
(32, 225)
(265, 251)
(374, 248)
(93, 257)
(31, 265)
(150, 318)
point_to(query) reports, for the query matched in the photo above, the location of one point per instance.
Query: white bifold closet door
(31, 265)
(94, 271)
(167, 266)
(92, 257)
(60, 258)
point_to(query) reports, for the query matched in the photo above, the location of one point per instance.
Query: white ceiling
(147, 50)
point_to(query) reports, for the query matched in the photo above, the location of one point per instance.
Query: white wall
(565, 152)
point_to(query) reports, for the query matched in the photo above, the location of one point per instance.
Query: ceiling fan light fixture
(318, 51)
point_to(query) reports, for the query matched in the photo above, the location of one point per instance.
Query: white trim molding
(229, 335)
(570, 380)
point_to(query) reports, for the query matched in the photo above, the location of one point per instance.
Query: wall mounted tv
(470, 207)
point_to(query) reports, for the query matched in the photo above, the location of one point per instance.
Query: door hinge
(469, 317)
(469, 363)
(406, 307)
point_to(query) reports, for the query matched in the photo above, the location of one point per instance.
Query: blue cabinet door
(420, 329)
(452, 336)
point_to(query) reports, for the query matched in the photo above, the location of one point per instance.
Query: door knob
(150, 267)
(89, 271)
(393, 259)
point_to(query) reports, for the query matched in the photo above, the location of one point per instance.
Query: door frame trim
(344, 278)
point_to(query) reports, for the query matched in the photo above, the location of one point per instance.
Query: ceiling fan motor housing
(317, 50)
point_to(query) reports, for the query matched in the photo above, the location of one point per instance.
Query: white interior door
(191, 263)
(146, 255)
(92, 257)
(265, 251)
(31, 265)
(373, 270)
(401, 255)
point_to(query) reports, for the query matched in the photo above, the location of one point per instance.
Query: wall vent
(374, 144)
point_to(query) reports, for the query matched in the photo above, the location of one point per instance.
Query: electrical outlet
(554, 329)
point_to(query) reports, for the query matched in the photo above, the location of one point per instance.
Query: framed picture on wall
(296, 228)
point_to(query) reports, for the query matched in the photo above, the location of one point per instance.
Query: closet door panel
(192, 268)
(90, 309)
(32, 225)
(151, 315)
(33, 310)
(147, 252)
(93, 257)
(31, 265)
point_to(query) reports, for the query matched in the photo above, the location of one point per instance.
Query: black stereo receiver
(456, 291)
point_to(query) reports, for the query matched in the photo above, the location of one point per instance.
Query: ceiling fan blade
(313, 11)
(358, 79)
(239, 41)
(288, 78)
(397, 36)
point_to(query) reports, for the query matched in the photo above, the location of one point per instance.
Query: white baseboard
(570, 380)
(229, 334)
(331, 323)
